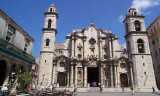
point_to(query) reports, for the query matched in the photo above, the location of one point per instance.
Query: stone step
(95, 89)
(113, 94)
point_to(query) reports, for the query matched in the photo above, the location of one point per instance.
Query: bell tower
(139, 51)
(47, 54)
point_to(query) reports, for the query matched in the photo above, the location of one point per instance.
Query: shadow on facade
(3, 68)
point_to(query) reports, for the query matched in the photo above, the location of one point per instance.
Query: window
(26, 46)
(144, 64)
(62, 64)
(47, 42)
(140, 44)
(135, 13)
(79, 56)
(145, 73)
(105, 56)
(137, 26)
(49, 23)
(122, 65)
(10, 33)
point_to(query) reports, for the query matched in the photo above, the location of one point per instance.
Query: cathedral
(92, 57)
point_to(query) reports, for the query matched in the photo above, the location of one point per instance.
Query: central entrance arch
(3, 71)
(93, 76)
(124, 80)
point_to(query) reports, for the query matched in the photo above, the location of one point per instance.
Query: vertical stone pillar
(102, 77)
(68, 79)
(116, 75)
(85, 76)
(111, 71)
(118, 78)
(75, 76)
(71, 81)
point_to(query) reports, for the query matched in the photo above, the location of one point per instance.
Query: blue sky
(106, 14)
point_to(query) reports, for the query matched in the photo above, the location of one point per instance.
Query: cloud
(142, 5)
(121, 18)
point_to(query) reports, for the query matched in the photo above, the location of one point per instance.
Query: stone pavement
(96, 92)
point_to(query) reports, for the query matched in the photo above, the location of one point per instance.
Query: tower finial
(52, 8)
(132, 12)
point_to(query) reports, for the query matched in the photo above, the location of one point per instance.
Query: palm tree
(24, 79)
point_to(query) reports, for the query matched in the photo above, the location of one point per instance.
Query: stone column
(116, 75)
(75, 76)
(118, 78)
(102, 77)
(111, 71)
(71, 81)
(85, 76)
(68, 79)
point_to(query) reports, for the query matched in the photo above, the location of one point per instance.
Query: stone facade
(92, 57)
(139, 51)
(154, 40)
(15, 50)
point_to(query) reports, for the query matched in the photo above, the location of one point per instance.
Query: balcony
(11, 50)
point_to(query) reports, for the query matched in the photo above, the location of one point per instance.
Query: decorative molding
(140, 54)
(52, 13)
(135, 32)
(48, 30)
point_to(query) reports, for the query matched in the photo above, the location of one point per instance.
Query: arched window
(140, 45)
(47, 42)
(49, 23)
(137, 25)
(135, 13)
(62, 64)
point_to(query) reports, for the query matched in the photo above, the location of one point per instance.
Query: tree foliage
(24, 79)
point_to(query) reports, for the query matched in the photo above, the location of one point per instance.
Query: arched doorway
(93, 76)
(62, 79)
(124, 80)
(3, 70)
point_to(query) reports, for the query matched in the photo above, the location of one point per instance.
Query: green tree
(24, 79)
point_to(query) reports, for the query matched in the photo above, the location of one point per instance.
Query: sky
(75, 14)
